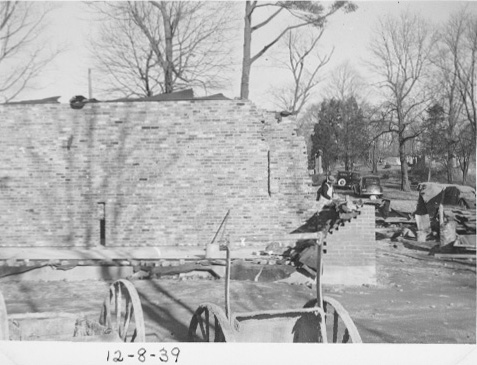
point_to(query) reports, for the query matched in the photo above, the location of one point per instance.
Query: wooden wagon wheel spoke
(207, 328)
(122, 312)
(209, 322)
(335, 326)
(128, 314)
(342, 322)
(117, 306)
(346, 337)
(201, 324)
(337, 321)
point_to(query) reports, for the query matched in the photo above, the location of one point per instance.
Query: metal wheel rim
(201, 330)
(351, 333)
(334, 311)
(122, 312)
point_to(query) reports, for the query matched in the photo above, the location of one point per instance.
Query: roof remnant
(50, 100)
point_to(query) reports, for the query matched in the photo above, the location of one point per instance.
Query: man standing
(325, 193)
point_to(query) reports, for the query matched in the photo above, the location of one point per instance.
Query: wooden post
(319, 270)
(227, 284)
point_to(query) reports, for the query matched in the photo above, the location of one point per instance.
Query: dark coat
(324, 191)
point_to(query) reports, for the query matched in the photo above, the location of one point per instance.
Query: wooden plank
(397, 220)
(454, 256)
(285, 237)
(466, 241)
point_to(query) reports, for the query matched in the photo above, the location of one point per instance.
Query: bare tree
(23, 52)
(465, 150)
(170, 45)
(305, 13)
(300, 47)
(345, 82)
(125, 60)
(460, 39)
(401, 50)
(455, 79)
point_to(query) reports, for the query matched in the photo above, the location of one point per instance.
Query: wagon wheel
(4, 336)
(209, 324)
(122, 312)
(340, 328)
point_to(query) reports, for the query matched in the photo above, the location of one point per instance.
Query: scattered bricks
(165, 263)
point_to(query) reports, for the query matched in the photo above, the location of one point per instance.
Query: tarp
(431, 195)
(452, 191)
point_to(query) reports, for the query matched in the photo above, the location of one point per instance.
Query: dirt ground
(418, 299)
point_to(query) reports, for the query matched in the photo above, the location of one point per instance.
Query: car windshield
(371, 180)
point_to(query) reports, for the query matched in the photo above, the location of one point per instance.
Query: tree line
(424, 98)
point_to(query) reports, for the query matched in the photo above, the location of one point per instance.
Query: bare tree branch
(23, 52)
(401, 49)
(165, 46)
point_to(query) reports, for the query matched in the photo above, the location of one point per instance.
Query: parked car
(346, 179)
(369, 186)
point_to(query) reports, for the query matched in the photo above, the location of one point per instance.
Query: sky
(349, 35)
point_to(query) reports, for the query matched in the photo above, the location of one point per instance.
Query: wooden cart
(322, 320)
(121, 320)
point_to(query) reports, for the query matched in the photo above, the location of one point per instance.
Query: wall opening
(268, 174)
(102, 223)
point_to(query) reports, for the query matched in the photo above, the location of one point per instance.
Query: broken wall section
(351, 251)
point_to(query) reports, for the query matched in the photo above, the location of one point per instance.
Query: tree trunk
(247, 44)
(375, 163)
(168, 72)
(405, 186)
(449, 170)
(465, 172)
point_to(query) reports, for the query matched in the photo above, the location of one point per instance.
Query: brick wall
(351, 251)
(166, 172)
(353, 244)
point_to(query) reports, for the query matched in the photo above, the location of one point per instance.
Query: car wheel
(341, 182)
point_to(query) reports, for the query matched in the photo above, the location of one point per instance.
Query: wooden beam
(455, 256)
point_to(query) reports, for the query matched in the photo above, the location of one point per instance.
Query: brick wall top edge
(130, 103)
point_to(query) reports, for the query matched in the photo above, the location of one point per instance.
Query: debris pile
(331, 218)
(442, 223)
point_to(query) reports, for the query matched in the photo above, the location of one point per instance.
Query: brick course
(353, 244)
(166, 172)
